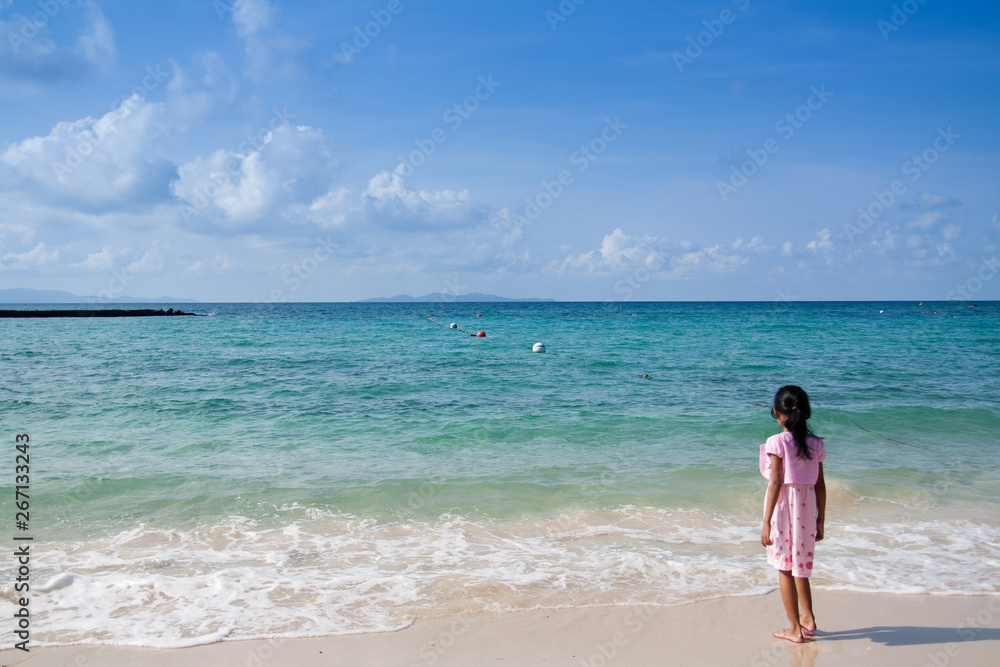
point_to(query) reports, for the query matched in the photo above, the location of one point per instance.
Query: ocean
(288, 470)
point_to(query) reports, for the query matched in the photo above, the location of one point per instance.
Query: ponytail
(793, 402)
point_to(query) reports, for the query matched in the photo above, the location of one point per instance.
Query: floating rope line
(441, 325)
(641, 376)
(554, 354)
(764, 405)
(884, 436)
(645, 376)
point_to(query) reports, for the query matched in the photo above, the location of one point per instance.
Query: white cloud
(927, 220)
(945, 251)
(333, 208)
(269, 51)
(385, 185)
(617, 248)
(277, 187)
(29, 53)
(756, 243)
(509, 227)
(823, 246)
(79, 258)
(114, 158)
(102, 160)
(233, 188)
(219, 264)
(886, 243)
(102, 260)
(8, 232)
(930, 200)
(154, 260)
(705, 261)
(393, 205)
(97, 43)
(39, 257)
(924, 250)
(284, 186)
(584, 262)
(621, 252)
(250, 16)
(222, 263)
(191, 98)
(786, 248)
(227, 182)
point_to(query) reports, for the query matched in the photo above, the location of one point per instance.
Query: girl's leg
(807, 620)
(789, 596)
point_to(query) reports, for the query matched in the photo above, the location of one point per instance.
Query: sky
(268, 150)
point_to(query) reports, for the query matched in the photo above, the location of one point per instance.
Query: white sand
(855, 629)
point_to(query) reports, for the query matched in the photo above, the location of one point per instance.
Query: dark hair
(792, 402)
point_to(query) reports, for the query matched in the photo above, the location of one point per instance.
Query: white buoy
(452, 326)
(538, 347)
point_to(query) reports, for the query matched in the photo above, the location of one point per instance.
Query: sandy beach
(855, 629)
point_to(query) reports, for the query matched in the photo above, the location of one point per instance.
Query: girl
(794, 508)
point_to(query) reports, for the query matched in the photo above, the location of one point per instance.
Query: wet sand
(855, 629)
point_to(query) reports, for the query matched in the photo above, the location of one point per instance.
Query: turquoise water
(298, 469)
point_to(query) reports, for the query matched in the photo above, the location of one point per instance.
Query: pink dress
(793, 524)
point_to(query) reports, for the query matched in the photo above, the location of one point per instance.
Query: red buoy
(481, 334)
(479, 314)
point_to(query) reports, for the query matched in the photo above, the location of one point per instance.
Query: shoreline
(854, 628)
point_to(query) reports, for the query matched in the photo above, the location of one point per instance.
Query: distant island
(25, 295)
(440, 297)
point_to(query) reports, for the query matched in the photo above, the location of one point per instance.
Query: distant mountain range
(439, 297)
(25, 295)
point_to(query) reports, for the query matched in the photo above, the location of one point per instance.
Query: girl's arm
(820, 503)
(773, 489)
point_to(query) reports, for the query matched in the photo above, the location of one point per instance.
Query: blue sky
(261, 150)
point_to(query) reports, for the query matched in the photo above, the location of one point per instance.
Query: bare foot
(808, 625)
(789, 635)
